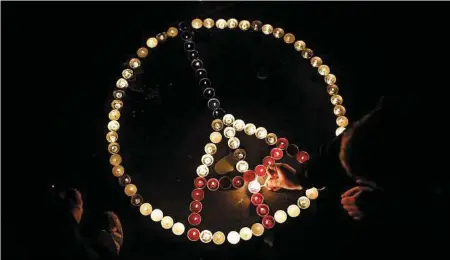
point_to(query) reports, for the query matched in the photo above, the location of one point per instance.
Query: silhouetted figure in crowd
(68, 243)
(382, 157)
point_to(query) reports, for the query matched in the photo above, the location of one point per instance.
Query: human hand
(282, 176)
(352, 200)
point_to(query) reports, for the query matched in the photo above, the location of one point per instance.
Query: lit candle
(194, 219)
(268, 161)
(303, 202)
(206, 236)
(293, 211)
(233, 237)
(193, 234)
(167, 222)
(200, 182)
(312, 193)
(257, 229)
(268, 222)
(213, 184)
(262, 210)
(302, 156)
(195, 206)
(260, 170)
(178, 228)
(145, 209)
(276, 153)
(257, 199)
(280, 216)
(249, 176)
(156, 215)
(237, 182)
(219, 238)
(198, 194)
(254, 186)
(245, 233)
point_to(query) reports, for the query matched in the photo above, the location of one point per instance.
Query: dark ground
(61, 61)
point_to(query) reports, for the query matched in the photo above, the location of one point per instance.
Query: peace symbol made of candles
(225, 127)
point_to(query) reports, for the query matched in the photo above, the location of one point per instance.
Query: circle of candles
(262, 210)
(302, 156)
(282, 143)
(312, 193)
(206, 236)
(280, 216)
(257, 198)
(225, 182)
(194, 219)
(178, 228)
(257, 229)
(268, 161)
(293, 211)
(219, 238)
(276, 153)
(254, 186)
(198, 194)
(238, 182)
(213, 184)
(233, 237)
(292, 150)
(268, 222)
(193, 234)
(195, 206)
(260, 170)
(303, 202)
(249, 176)
(200, 182)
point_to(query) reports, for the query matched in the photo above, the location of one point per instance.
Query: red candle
(200, 182)
(213, 184)
(194, 219)
(238, 182)
(262, 210)
(195, 206)
(276, 153)
(268, 222)
(268, 161)
(282, 143)
(249, 176)
(302, 156)
(260, 170)
(257, 199)
(198, 194)
(193, 234)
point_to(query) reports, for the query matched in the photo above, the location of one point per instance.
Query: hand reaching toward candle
(283, 176)
(354, 200)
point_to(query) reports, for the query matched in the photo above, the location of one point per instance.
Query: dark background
(60, 64)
